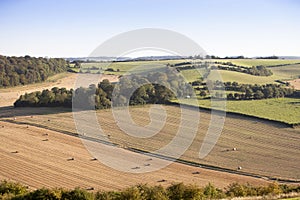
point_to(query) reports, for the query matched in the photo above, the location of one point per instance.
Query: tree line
(244, 91)
(250, 91)
(180, 191)
(254, 70)
(155, 88)
(25, 70)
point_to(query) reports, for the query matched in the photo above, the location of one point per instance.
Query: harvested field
(42, 158)
(262, 147)
(295, 83)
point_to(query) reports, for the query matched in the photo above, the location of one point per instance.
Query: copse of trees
(16, 191)
(47, 98)
(244, 91)
(154, 88)
(25, 70)
(250, 91)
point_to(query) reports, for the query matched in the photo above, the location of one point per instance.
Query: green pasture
(287, 72)
(120, 68)
(280, 109)
(257, 62)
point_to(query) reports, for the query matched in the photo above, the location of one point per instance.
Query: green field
(256, 62)
(280, 73)
(245, 78)
(282, 109)
(287, 72)
(121, 68)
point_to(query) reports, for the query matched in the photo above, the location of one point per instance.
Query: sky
(74, 28)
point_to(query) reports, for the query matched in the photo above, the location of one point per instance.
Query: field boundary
(139, 151)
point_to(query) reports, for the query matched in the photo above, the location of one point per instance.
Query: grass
(244, 78)
(281, 109)
(129, 67)
(287, 72)
(280, 73)
(191, 75)
(256, 62)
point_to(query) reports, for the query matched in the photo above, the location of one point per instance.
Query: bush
(12, 188)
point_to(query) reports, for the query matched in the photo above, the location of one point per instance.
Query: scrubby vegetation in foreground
(14, 191)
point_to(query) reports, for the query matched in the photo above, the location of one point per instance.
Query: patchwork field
(120, 68)
(256, 149)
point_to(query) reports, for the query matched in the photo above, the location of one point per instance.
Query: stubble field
(263, 148)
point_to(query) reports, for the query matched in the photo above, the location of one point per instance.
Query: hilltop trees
(25, 70)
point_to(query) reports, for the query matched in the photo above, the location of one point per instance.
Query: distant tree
(203, 93)
(230, 96)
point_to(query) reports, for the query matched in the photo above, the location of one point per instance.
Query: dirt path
(9, 95)
(42, 158)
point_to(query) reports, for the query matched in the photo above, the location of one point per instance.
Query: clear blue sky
(222, 27)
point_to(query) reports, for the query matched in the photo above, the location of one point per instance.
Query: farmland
(65, 80)
(120, 68)
(38, 143)
(245, 78)
(252, 138)
(39, 157)
(280, 109)
(256, 62)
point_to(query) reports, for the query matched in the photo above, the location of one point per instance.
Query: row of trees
(179, 191)
(250, 91)
(254, 70)
(25, 70)
(158, 87)
(244, 91)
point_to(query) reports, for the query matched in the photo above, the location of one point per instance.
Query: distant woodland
(25, 70)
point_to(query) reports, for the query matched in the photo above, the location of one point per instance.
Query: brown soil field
(295, 83)
(262, 147)
(67, 80)
(39, 158)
